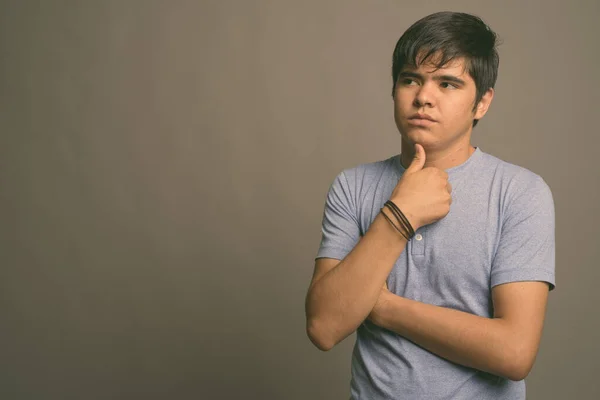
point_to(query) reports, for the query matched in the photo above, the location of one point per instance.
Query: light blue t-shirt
(500, 229)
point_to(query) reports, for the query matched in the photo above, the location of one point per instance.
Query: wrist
(408, 213)
(377, 315)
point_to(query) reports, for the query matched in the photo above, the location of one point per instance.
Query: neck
(442, 158)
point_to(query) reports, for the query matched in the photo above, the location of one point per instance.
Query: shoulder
(369, 171)
(352, 185)
(515, 179)
(519, 186)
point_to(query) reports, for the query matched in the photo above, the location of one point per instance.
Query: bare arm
(343, 293)
(505, 345)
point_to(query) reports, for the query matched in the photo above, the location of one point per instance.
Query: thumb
(418, 161)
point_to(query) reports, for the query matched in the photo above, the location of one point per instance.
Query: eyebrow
(445, 78)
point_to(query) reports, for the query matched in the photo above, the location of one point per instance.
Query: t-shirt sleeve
(340, 228)
(526, 250)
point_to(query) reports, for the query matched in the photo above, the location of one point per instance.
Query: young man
(456, 312)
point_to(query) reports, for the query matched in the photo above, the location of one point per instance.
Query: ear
(484, 104)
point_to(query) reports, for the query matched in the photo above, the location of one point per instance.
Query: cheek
(398, 104)
(402, 103)
(459, 110)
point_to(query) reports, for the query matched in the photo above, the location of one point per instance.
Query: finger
(418, 161)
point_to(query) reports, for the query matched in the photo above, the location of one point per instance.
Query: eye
(408, 81)
(448, 85)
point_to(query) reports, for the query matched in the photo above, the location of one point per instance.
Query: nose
(424, 96)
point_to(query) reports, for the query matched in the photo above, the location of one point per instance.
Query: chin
(416, 134)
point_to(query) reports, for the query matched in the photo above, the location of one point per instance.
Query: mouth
(421, 121)
(421, 117)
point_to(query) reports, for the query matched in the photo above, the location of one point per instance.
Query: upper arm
(522, 305)
(523, 267)
(322, 267)
(340, 228)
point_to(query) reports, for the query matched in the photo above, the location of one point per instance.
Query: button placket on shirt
(418, 244)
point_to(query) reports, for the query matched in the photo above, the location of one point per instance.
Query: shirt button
(418, 236)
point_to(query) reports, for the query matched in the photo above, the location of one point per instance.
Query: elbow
(318, 337)
(517, 373)
(520, 365)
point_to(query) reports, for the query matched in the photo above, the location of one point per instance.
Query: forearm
(490, 345)
(340, 301)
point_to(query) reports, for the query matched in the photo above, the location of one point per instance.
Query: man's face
(435, 108)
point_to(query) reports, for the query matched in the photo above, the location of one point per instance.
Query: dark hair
(450, 35)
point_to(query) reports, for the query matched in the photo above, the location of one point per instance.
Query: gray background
(163, 171)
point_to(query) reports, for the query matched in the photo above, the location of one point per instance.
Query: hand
(422, 194)
(383, 296)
